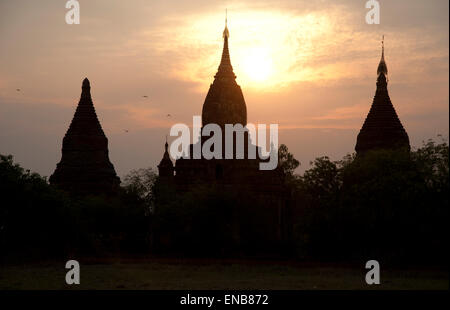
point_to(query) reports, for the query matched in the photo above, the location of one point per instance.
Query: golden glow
(268, 50)
(257, 65)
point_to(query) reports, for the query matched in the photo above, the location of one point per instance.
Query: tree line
(392, 205)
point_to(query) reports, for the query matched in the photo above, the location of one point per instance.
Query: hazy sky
(309, 66)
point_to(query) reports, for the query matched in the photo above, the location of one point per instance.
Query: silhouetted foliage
(390, 205)
(28, 211)
(196, 222)
(286, 161)
(386, 205)
(37, 220)
(141, 182)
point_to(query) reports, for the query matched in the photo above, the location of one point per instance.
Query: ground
(191, 274)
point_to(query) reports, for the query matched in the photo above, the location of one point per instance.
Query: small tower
(382, 128)
(165, 167)
(85, 167)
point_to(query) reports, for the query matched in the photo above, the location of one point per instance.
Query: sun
(268, 49)
(257, 64)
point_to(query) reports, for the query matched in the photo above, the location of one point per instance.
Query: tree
(141, 182)
(32, 213)
(432, 160)
(387, 203)
(286, 161)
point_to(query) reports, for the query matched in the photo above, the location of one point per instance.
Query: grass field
(213, 274)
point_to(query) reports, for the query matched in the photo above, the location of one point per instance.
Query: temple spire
(224, 103)
(85, 167)
(382, 128)
(165, 167)
(225, 68)
(226, 33)
(86, 84)
(86, 92)
(382, 67)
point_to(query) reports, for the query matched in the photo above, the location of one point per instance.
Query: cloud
(323, 70)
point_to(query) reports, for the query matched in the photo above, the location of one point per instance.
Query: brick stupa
(85, 167)
(382, 128)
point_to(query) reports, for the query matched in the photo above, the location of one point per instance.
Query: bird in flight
(126, 130)
(168, 115)
(17, 89)
(145, 96)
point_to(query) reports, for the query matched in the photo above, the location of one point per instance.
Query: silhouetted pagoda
(85, 167)
(382, 128)
(165, 167)
(225, 104)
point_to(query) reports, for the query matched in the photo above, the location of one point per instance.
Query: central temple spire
(225, 68)
(224, 103)
(226, 33)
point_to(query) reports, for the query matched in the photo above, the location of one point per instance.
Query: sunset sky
(309, 66)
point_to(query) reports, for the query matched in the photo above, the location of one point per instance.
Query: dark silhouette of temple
(85, 167)
(165, 167)
(225, 104)
(382, 128)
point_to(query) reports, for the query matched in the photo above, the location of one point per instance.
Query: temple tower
(165, 167)
(224, 103)
(382, 128)
(85, 167)
(264, 197)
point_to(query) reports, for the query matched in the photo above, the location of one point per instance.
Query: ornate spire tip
(226, 33)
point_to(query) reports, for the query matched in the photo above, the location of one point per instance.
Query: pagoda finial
(225, 69)
(382, 67)
(86, 83)
(85, 92)
(226, 33)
